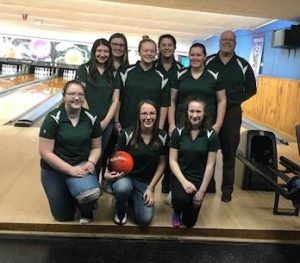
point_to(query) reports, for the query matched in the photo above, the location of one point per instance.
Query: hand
(78, 171)
(216, 128)
(189, 187)
(117, 128)
(171, 129)
(89, 167)
(198, 198)
(148, 197)
(111, 175)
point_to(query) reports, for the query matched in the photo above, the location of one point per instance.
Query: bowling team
(171, 120)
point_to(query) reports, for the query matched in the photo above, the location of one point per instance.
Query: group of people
(171, 120)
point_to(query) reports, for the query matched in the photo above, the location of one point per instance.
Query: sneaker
(176, 220)
(84, 221)
(120, 219)
(226, 197)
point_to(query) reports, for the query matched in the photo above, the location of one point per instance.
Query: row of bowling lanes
(9, 82)
(21, 100)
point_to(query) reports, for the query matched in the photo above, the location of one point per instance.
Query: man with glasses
(237, 77)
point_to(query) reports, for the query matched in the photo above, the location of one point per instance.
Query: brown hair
(92, 63)
(155, 141)
(205, 122)
(69, 83)
(125, 61)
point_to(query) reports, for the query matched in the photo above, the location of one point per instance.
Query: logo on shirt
(209, 133)
(244, 69)
(56, 117)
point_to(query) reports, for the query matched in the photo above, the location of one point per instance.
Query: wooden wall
(276, 105)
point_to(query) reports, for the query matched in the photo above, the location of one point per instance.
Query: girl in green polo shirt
(119, 48)
(169, 67)
(70, 146)
(147, 145)
(101, 95)
(193, 150)
(196, 80)
(142, 82)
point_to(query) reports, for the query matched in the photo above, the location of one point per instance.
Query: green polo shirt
(192, 154)
(205, 87)
(99, 94)
(171, 74)
(237, 77)
(136, 85)
(146, 156)
(72, 144)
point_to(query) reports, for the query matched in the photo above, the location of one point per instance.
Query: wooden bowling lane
(6, 83)
(24, 206)
(20, 101)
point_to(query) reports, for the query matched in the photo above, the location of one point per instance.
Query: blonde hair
(145, 39)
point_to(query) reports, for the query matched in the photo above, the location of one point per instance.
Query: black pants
(183, 203)
(229, 137)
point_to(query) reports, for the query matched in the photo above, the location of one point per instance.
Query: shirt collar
(140, 68)
(187, 132)
(232, 58)
(204, 74)
(64, 116)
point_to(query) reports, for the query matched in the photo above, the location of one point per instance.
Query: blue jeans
(65, 193)
(127, 190)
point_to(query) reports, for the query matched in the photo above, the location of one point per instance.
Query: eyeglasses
(74, 94)
(118, 45)
(228, 40)
(146, 114)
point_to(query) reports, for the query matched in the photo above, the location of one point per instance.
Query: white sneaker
(120, 220)
(84, 221)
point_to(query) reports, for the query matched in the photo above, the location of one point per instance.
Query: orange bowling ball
(120, 162)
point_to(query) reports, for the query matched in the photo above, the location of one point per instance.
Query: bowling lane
(20, 101)
(6, 83)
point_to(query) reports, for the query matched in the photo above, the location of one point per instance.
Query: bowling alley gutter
(152, 232)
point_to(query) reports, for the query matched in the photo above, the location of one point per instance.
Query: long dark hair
(205, 122)
(169, 36)
(155, 141)
(92, 63)
(125, 61)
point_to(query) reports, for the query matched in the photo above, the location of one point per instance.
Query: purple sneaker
(176, 220)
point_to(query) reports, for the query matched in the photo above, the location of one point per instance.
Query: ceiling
(185, 19)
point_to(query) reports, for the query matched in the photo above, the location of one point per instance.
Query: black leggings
(183, 203)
